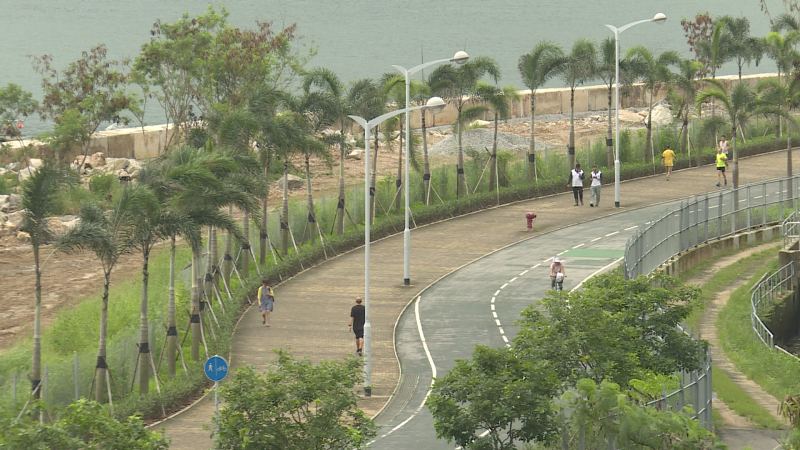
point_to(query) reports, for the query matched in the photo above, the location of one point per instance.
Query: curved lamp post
(658, 18)
(433, 102)
(460, 57)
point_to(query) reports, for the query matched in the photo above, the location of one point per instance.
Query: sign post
(216, 369)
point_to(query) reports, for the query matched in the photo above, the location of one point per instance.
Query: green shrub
(102, 185)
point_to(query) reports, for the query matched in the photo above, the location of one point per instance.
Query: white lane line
(522, 274)
(512, 280)
(497, 292)
(713, 206)
(578, 246)
(497, 321)
(503, 286)
(492, 304)
(505, 339)
(632, 228)
(611, 234)
(559, 254)
(493, 299)
(757, 196)
(600, 270)
(494, 313)
(502, 331)
(433, 375)
(597, 239)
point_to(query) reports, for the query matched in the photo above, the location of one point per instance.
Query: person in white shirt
(575, 181)
(597, 182)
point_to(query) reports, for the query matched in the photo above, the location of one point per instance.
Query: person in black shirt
(357, 318)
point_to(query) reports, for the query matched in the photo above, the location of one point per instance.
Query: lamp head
(460, 57)
(435, 104)
(659, 18)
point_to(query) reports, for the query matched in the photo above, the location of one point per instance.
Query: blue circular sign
(216, 368)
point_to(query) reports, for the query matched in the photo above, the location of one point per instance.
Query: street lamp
(460, 57)
(658, 18)
(433, 102)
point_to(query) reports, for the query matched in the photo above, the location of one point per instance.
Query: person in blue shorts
(266, 301)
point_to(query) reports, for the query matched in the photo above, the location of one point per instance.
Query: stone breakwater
(149, 141)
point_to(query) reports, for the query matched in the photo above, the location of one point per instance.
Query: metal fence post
(749, 223)
(75, 375)
(764, 209)
(780, 198)
(705, 219)
(719, 216)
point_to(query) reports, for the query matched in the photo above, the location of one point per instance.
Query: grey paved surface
(312, 310)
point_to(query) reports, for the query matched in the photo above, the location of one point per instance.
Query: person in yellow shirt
(722, 163)
(668, 159)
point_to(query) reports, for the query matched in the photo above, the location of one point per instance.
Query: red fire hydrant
(529, 217)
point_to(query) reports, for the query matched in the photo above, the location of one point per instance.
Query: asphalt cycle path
(480, 304)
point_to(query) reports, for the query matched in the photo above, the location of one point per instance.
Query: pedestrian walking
(575, 181)
(723, 145)
(557, 273)
(266, 301)
(597, 182)
(358, 316)
(722, 163)
(668, 159)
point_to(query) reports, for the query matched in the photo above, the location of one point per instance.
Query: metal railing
(764, 295)
(698, 220)
(791, 229)
(709, 217)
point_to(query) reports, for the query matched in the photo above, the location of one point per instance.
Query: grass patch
(774, 371)
(722, 279)
(740, 401)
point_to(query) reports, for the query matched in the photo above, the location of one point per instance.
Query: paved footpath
(311, 316)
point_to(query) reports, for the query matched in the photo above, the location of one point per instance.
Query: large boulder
(97, 159)
(10, 203)
(479, 123)
(60, 225)
(115, 164)
(628, 116)
(662, 115)
(35, 163)
(356, 153)
(294, 182)
(26, 173)
(14, 220)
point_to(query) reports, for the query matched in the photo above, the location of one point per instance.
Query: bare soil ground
(66, 279)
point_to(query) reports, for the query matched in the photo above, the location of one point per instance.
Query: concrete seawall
(148, 142)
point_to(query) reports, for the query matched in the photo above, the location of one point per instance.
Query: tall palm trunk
(685, 134)
(649, 126)
(398, 182)
(245, 248)
(102, 365)
(208, 279)
(461, 182)
(532, 148)
(195, 315)
(790, 184)
(213, 255)
(263, 233)
(493, 181)
(144, 344)
(311, 217)
(426, 164)
(227, 262)
(172, 328)
(735, 159)
(571, 145)
(340, 204)
(285, 210)
(36, 367)
(373, 177)
(609, 137)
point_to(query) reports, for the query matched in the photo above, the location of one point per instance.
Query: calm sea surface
(356, 38)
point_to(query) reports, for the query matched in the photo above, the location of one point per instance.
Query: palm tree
(537, 67)
(38, 203)
(739, 104)
(777, 98)
(606, 70)
(108, 235)
(420, 92)
(781, 48)
(682, 93)
(457, 84)
(498, 100)
(578, 67)
(366, 98)
(395, 88)
(326, 82)
(653, 71)
(739, 44)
